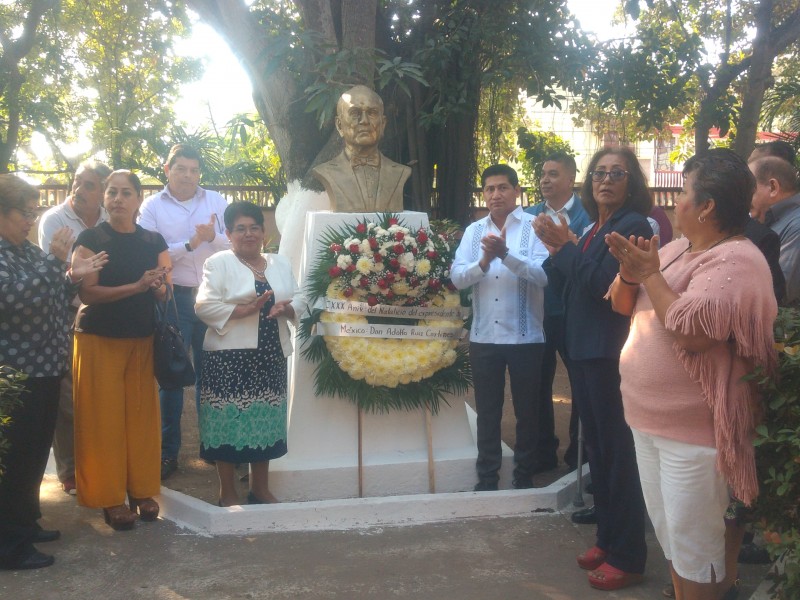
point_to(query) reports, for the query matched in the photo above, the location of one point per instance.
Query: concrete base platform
(358, 513)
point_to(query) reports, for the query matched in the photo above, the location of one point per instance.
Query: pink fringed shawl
(730, 295)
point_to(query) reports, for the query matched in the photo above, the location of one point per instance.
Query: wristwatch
(188, 247)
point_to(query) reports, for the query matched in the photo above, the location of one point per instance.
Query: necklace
(258, 272)
(689, 249)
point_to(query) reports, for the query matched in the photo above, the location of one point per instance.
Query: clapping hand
(282, 308)
(207, 232)
(638, 257)
(553, 235)
(153, 279)
(83, 266)
(61, 243)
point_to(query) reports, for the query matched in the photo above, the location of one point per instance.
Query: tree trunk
(758, 78)
(276, 94)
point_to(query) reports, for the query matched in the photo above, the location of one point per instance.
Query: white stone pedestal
(322, 462)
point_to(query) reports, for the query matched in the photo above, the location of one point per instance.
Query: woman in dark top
(616, 196)
(117, 423)
(36, 288)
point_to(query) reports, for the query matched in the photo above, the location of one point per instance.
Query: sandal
(119, 517)
(592, 558)
(146, 507)
(608, 578)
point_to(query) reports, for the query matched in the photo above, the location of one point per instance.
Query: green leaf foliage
(778, 456)
(11, 392)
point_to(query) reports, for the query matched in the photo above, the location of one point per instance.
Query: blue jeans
(193, 330)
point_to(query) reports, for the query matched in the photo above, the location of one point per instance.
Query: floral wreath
(368, 269)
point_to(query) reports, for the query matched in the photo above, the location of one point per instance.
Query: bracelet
(625, 281)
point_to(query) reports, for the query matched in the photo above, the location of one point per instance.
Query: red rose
(334, 271)
(399, 236)
(372, 300)
(336, 248)
(432, 254)
(354, 248)
(382, 284)
(361, 228)
(402, 272)
(348, 291)
(373, 243)
(377, 257)
(350, 268)
(392, 221)
(363, 282)
(451, 287)
(394, 263)
(434, 284)
(414, 282)
(414, 250)
(422, 237)
(398, 248)
(390, 277)
(390, 294)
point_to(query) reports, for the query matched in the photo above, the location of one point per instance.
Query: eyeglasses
(29, 215)
(613, 175)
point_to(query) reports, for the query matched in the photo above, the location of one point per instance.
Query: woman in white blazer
(247, 300)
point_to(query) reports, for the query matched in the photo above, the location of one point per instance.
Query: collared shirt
(784, 219)
(34, 323)
(508, 299)
(176, 221)
(564, 210)
(60, 216)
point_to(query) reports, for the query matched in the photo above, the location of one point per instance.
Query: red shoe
(592, 558)
(69, 487)
(608, 578)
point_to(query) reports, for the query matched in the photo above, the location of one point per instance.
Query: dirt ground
(196, 478)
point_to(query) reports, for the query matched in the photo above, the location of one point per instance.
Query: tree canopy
(106, 71)
(430, 60)
(709, 59)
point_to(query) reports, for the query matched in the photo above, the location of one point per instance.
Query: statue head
(360, 120)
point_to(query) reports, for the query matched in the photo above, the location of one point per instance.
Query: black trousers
(548, 442)
(612, 460)
(489, 363)
(29, 436)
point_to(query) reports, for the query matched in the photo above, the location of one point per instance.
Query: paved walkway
(527, 558)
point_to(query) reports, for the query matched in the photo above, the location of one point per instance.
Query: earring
(701, 219)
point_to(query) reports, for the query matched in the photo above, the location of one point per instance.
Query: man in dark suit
(361, 178)
(556, 183)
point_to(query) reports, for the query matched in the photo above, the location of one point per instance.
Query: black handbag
(172, 366)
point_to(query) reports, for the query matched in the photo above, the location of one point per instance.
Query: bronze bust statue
(361, 178)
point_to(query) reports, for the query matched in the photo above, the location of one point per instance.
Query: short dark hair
(772, 167)
(242, 209)
(132, 178)
(638, 198)
(777, 148)
(15, 193)
(722, 175)
(100, 169)
(509, 172)
(185, 151)
(564, 159)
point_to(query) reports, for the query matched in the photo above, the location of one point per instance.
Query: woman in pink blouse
(703, 310)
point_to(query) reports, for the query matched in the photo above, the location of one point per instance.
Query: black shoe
(45, 535)
(26, 557)
(486, 485)
(168, 467)
(587, 516)
(522, 483)
(253, 499)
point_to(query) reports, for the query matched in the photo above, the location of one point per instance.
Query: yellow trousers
(117, 420)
